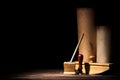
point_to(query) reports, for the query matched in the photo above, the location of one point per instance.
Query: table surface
(53, 74)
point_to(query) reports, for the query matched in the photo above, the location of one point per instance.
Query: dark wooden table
(53, 74)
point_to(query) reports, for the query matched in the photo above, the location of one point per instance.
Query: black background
(42, 35)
